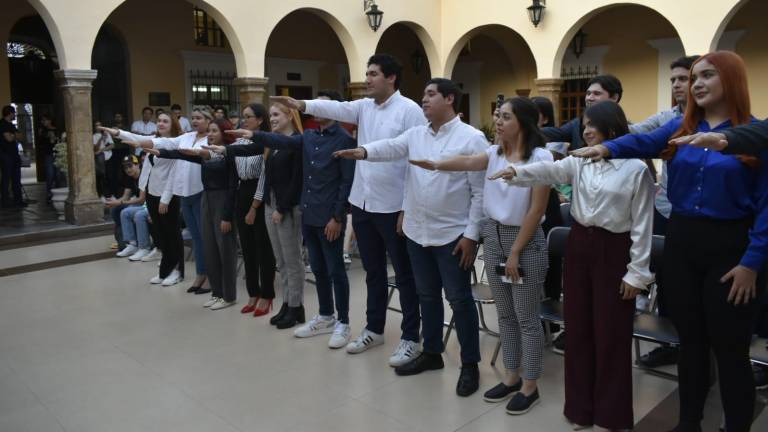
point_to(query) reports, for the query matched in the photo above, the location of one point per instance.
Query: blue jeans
(377, 237)
(135, 225)
(114, 212)
(327, 262)
(191, 209)
(436, 268)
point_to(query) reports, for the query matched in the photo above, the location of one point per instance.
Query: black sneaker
(502, 392)
(469, 380)
(521, 404)
(424, 362)
(558, 345)
(661, 356)
(761, 377)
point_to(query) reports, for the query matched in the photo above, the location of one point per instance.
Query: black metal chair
(552, 309)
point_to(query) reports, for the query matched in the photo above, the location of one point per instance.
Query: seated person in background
(130, 184)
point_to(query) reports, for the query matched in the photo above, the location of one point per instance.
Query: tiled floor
(94, 347)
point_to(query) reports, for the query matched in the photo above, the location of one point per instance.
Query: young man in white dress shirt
(377, 201)
(443, 212)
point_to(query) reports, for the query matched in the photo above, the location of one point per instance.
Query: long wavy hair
(293, 114)
(175, 126)
(733, 77)
(527, 115)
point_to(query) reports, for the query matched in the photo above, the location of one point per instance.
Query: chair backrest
(565, 214)
(556, 241)
(657, 253)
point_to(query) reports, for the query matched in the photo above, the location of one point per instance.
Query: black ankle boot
(279, 315)
(293, 316)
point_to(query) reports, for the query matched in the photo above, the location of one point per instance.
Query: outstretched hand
(711, 140)
(215, 148)
(152, 151)
(595, 152)
(423, 163)
(506, 174)
(112, 131)
(287, 101)
(201, 153)
(240, 133)
(355, 153)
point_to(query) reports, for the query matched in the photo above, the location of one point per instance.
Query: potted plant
(60, 161)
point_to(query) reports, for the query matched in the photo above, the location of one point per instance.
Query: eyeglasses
(246, 116)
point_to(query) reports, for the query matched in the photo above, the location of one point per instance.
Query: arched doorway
(491, 60)
(639, 58)
(300, 67)
(746, 34)
(111, 88)
(402, 42)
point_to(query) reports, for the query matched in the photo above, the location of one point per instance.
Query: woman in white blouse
(514, 245)
(606, 266)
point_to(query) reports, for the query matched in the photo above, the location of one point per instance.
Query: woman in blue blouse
(717, 239)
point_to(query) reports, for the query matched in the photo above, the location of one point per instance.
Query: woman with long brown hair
(717, 239)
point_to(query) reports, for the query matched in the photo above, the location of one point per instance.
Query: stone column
(550, 88)
(83, 205)
(251, 90)
(357, 90)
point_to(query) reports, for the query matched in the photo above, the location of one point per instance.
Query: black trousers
(169, 234)
(11, 177)
(697, 253)
(258, 258)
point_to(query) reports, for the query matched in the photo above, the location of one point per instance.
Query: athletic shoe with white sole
(141, 253)
(156, 280)
(405, 352)
(221, 304)
(366, 340)
(340, 336)
(316, 326)
(153, 256)
(127, 251)
(173, 278)
(212, 301)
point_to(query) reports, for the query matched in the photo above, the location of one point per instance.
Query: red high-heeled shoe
(260, 312)
(249, 308)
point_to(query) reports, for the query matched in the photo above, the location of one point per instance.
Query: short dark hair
(545, 107)
(175, 107)
(331, 94)
(527, 115)
(684, 62)
(8, 110)
(389, 66)
(145, 109)
(447, 87)
(608, 118)
(609, 83)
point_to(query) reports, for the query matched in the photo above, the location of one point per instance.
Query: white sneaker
(307, 269)
(366, 340)
(347, 259)
(154, 255)
(127, 251)
(212, 301)
(316, 326)
(173, 278)
(221, 304)
(156, 280)
(404, 353)
(340, 336)
(139, 255)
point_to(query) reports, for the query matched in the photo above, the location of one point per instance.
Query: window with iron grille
(207, 32)
(574, 90)
(213, 89)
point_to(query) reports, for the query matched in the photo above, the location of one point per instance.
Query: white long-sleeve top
(377, 187)
(616, 195)
(439, 206)
(159, 183)
(186, 180)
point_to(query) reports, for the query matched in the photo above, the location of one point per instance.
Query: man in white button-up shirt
(377, 200)
(443, 212)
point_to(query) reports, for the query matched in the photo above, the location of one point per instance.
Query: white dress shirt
(504, 203)
(377, 188)
(160, 174)
(439, 206)
(140, 128)
(186, 126)
(187, 179)
(107, 141)
(616, 195)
